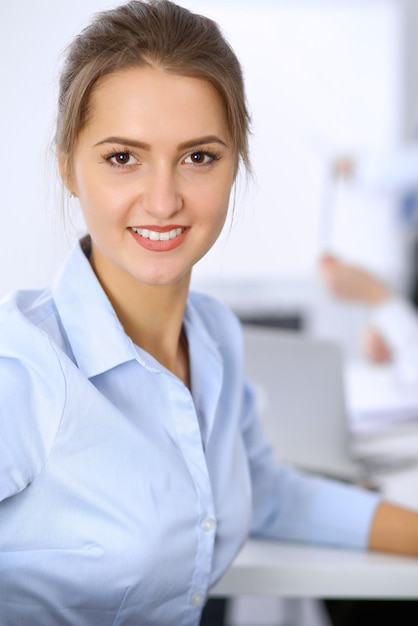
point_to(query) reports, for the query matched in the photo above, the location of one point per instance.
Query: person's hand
(375, 348)
(343, 167)
(350, 282)
(394, 529)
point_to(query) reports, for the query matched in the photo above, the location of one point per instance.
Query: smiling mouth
(153, 235)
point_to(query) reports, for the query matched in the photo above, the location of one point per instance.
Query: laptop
(301, 400)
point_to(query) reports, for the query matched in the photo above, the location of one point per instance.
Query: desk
(294, 570)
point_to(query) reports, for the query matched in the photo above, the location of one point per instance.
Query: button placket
(197, 599)
(208, 524)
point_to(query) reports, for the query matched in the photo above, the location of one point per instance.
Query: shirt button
(208, 524)
(197, 599)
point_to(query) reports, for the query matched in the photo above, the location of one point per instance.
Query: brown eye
(198, 157)
(122, 158)
(119, 159)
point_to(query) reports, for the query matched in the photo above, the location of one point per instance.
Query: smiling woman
(153, 169)
(132, 463)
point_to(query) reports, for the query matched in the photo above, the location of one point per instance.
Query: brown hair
(137, 34)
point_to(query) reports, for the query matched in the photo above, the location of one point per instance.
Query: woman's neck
(152, 316)
(153, 319)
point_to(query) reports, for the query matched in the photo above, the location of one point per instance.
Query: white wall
(32, 235)
(322, 76)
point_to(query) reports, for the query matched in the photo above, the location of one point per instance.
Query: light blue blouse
(123, 496)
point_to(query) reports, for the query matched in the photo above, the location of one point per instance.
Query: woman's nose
(162, 198)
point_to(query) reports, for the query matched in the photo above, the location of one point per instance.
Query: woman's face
(153, 171)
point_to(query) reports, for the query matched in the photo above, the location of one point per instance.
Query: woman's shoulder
(32, 398)
(21, 319)
(214, 314)
(220, 326)
(29, 358)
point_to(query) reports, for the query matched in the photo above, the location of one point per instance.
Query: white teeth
(156, 236)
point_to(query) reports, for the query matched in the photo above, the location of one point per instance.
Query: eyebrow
(192, 143)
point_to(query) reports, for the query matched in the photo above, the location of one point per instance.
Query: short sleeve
(32, 399)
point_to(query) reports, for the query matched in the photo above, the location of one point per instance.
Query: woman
(132, 467)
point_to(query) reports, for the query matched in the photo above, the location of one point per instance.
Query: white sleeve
(397, 321)
(393, 172)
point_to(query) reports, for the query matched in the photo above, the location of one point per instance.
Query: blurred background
(327, 80)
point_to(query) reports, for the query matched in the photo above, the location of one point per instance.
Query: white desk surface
(285, 569)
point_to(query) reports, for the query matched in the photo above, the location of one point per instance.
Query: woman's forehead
(145, 98)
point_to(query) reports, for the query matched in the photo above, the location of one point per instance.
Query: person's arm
(350, 282)
(394, 529)
(296, 506)
(391, 172)
(384, 338)
(291, 505)
(32, 401)
(393, 322)
(397, 320)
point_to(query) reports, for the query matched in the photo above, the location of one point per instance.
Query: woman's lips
(159, 239)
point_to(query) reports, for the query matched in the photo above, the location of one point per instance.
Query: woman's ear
(65, 172)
